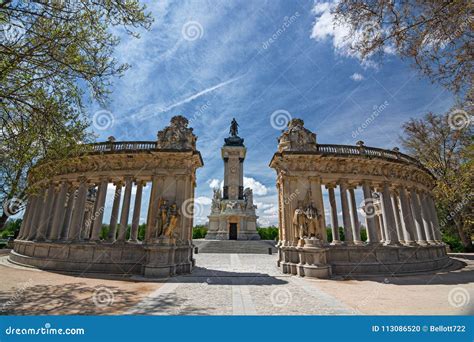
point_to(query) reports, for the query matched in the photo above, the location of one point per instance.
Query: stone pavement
(239, 284)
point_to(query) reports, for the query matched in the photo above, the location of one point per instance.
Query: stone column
(125, 209)
(408, 225)
(354, 218)
(369, 209)
(346, 217)
(380, 229)
(59, 211)
(99, 209)
(115, 211)
(68, 215)
(426, 219)
(32, 202)
(136, 211)
(336, 239)
(78, 212)
(390, 231)
(43, 224)
(396, 212)
(36, 215)
(416, 211)
(25, 218)
(157, 188)
(434, 214)
(286, 211)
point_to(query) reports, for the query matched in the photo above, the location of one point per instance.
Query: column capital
(330, 185)
(141, 182)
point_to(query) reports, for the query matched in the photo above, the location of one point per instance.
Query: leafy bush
(12, 228)
(268, 233)
(454, 243)
(199, 232)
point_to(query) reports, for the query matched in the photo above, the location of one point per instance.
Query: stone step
(235, 246)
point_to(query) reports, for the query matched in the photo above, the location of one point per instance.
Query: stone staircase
(235, 246)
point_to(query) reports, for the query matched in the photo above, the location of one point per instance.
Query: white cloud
(258, 188)
(325, 27)
(214, 183)
(357, 77)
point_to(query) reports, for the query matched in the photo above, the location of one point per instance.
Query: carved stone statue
(234, 128)
(216, 200)
(248, 196)
(297, 138)
(170, 227)
(299, 222)
(312, 216)
(161, 218)
(177, 136)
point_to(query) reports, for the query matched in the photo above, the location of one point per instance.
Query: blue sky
(214, 60)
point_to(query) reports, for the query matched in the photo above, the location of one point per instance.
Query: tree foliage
(435, 35)
(51, 54)
(447, 149)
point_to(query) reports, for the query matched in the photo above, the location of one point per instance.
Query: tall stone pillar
(390, 229)
(437, 231)
(408, 224)
(59, 211)
(33, 202)
(78, 212)
(136, 211)
(398, 220)
(43, 224)
(416, 211)
(157, 188)
(99, 209)
(354, 217)
(426, 219)
(37, 214)
(25, 218)
(68, 215)
(336, 239)
(346, 217)
(369, 209)
(125, 210)
(115, 211)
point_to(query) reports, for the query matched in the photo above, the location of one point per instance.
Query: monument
(233, 212)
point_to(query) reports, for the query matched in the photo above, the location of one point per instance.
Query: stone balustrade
(63, 220)
(397, 206)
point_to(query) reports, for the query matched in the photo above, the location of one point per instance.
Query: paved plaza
(235, 284)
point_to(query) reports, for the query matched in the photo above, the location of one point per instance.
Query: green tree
(446, 149)
(51, 54)
(435, 35)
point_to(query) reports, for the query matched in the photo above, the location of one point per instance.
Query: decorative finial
(360, 143)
